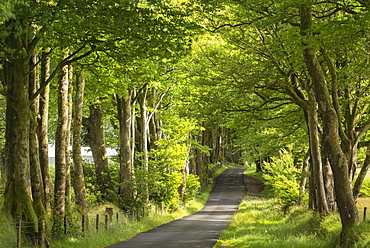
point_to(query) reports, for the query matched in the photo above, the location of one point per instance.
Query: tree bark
(95, 128)
(79, 178)
(68, 137)
(305, 169)
(126, 118)
(144, 140)
(329, 185)
(362, 175)
(17, 196)
(338, 161)
(61, 146)
(43, 134)
(35, 169)
(316, 160)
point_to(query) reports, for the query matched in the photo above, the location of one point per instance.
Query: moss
(19, 204)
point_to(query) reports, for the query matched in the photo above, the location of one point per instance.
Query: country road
(202, 228)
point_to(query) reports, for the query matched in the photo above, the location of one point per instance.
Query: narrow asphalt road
(202, 228)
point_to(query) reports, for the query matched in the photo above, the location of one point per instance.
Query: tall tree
(338, 160)
(126, 122)
(61, 146)
(43, 128)
(95, 127)
(79, 178)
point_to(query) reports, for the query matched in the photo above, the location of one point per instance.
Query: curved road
(202, 228)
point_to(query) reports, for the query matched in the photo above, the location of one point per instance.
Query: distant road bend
(202, 228)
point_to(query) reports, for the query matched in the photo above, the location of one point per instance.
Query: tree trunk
(329, 185)
(35, 169)
(68, 137)
(338, 161)
(61, 146)
(17, 196)
(79, 178)
(126, 118)
(316, 161)
(362, 175)
(144, 141)
(43, 134)
(305, 169)
(95, 128)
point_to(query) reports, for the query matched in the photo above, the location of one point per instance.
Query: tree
(61, 147)
(79, 178)
(338, 160)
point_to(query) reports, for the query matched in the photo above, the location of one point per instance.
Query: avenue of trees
(176, 86)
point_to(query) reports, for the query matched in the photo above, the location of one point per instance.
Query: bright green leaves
(283, 175)
(5, 10)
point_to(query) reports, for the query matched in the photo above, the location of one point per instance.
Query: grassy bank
(260, 222)
(125, 230)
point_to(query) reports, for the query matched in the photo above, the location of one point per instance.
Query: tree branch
(64, 62)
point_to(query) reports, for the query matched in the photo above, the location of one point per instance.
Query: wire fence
(26, 234)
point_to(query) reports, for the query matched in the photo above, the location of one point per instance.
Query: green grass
(260, 222)
(124, 230)
(7, 233)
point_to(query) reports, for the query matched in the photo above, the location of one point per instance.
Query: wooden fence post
(106, 221)
(42, 233)
(65, 225)
(97, 222)
(19, 234)
(109, 211)
(83, 223)
(365, 209)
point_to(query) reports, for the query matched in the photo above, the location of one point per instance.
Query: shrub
(283, 177)
(366, 187)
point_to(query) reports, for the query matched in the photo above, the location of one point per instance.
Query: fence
(22, 233)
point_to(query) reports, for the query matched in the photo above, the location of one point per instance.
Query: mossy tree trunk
(331, 129)
(144, 130)
(68, 138)
(61, 146)
(96, 138)
(43, 127)
(316, 160)
(35, 169)
(18, 194)
(79, 178)
(126, 118)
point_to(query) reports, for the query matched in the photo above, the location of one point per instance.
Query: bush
(366, 187)
(283, 177)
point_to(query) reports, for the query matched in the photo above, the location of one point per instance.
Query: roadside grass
(8, 236)
(118, 232)
(260, 223)
(125, 229)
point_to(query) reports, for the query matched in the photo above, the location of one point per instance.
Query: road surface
(202, 228)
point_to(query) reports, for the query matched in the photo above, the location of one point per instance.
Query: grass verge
(125, 230)
(260, 222)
